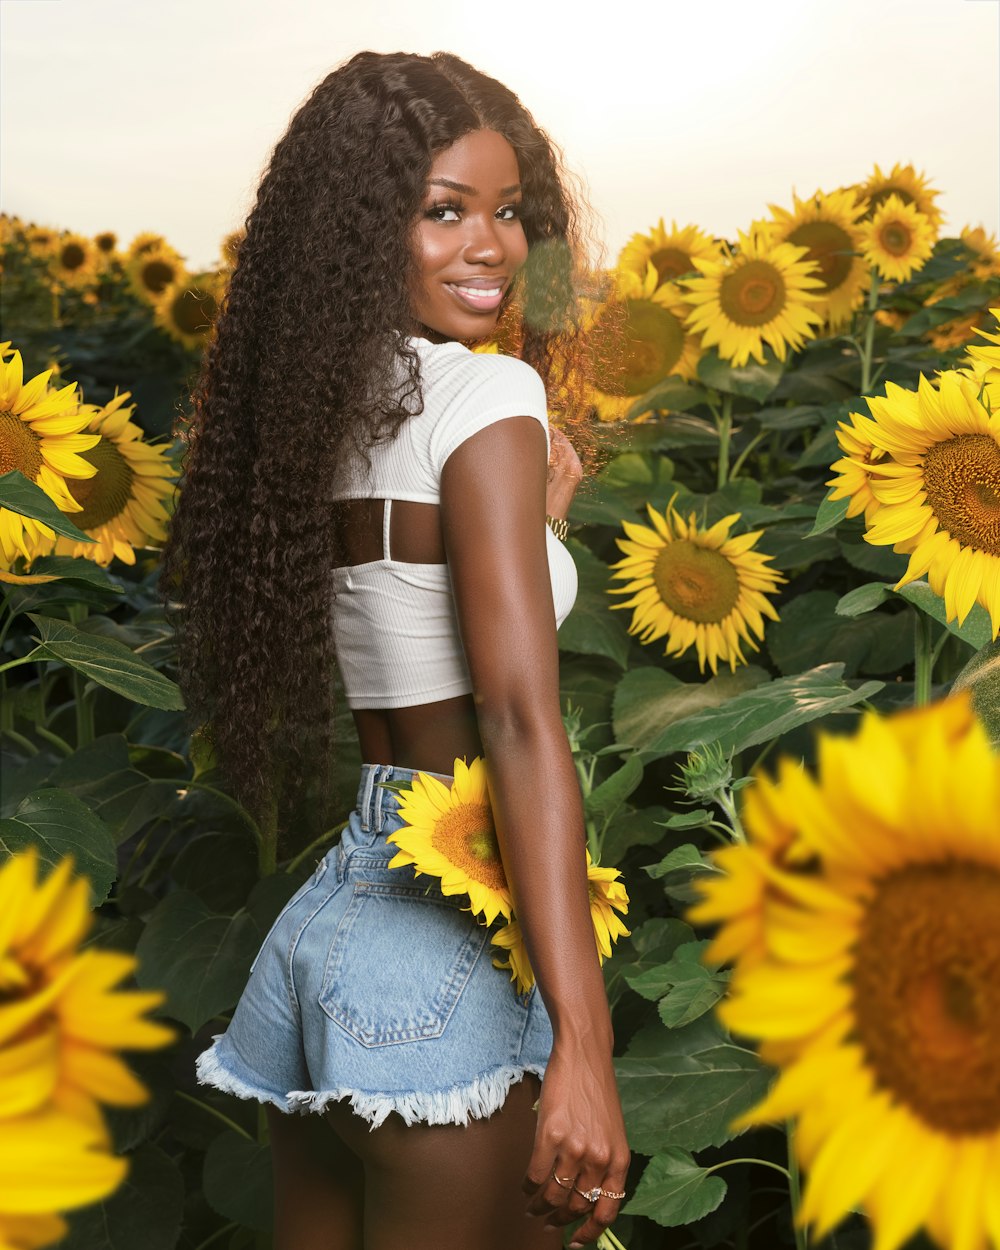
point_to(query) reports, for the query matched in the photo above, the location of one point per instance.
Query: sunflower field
(781, 683)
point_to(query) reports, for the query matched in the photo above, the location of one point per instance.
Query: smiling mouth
(480, 298)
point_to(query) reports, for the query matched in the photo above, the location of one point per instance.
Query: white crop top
(395, 627)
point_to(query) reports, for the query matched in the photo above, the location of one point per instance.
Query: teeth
(478, 292)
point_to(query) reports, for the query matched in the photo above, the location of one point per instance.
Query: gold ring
(590, 1194)
(610, 1193)
(567, 1183)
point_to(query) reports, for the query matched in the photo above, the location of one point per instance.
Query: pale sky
(130, 116)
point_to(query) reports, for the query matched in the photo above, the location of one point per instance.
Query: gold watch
(559, 526)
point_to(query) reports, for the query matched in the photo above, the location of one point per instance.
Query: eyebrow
(461, 187)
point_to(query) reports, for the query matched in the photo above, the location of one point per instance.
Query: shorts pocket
(398, 963)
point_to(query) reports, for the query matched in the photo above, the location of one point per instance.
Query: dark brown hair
(304, 362)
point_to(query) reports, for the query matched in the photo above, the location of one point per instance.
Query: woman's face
(468, 241)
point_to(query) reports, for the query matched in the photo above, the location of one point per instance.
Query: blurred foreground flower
(862, 913)
(698, 586)
(61, 1024)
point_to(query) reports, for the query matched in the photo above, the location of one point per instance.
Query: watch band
(559, 526)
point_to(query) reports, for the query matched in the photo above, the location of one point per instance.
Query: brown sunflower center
(105, 242)
(650, 345)
(698, 583)
(466, 836)
(895, 237)
(671, 262)
(829, 246)
(72, 256)
(927, 992)
(753, 294)
(104, 496)
(962, 480)
(194, 310)
(156, 275)
(20, 448)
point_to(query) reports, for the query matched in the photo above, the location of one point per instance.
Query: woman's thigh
(319, 1185)
(434, 1185)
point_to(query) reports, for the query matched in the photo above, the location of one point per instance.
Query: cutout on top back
(414, 531)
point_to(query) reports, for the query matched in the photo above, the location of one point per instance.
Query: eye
(514, 211)
(437, 211)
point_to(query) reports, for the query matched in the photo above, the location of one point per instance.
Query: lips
(479, 294)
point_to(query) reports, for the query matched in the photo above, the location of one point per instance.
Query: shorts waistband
(374, 801)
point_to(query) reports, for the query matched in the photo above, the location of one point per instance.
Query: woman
(411, 200)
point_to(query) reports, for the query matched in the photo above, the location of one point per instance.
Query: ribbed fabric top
(395, 627)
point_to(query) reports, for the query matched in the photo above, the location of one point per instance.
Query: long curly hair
(304, 362)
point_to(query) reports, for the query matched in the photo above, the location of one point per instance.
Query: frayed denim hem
(210, 1070)
(477, 1100)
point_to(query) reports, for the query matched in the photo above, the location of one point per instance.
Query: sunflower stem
(725, 801)
(866, 355)
(725, 426)
(764, 1163)
(923, 659)
(794, 1190)
(741, 460)
(323, 837)
(219, 1115)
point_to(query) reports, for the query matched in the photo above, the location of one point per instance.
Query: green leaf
(674, 1190)
(763, 713)
(688, 820)
(592, 628)
(200, 958)
(237, 1180)
(25, 498)
(648, 700)
(752, 380)
(672, 393)
(830, 513)
(60, 824)
(604, 800)
(681, 858)
(77, 569)
(631, 827)
(863, 599)
(145, 1210)
(108, 662)
(650, 944)
(976, 629)
(982, 676)
(683, 1087)
(694, 987)
(811, 631)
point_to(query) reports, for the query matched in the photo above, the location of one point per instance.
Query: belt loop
(366, 797)
(378, 815)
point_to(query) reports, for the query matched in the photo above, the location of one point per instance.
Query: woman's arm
(493, 502)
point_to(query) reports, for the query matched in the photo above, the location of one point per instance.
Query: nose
(484, 243)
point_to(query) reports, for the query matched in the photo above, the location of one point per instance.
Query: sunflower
(449, 833)
(41, 240)
(762, 293)
(985, 261)
(106, 242)
(61, 1020)
(698, 586)
(939, 490)
(857, 466)
(50, 1162)
(123, 503)
(906, 184)
(958, 331)
(144, 243)
(151, 272)
(880, 982)
(637, 338)
(607, 896)
(670, 252)
(74, 261)
(982, 363)
(40, 434)
(230, 246)
(827, 226)
(897, 240)
(187, 309)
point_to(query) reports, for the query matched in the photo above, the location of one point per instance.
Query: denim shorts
(375, 986)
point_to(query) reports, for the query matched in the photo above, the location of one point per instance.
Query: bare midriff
(428, 736)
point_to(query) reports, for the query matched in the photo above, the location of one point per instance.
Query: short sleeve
(486, 388)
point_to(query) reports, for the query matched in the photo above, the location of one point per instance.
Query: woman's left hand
(565, 474)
